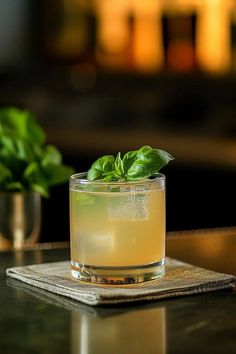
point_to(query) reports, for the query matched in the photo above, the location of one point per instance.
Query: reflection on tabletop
(89, 332)
(99, 327)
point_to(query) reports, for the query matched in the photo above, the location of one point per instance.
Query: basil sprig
(134, 166)
(26, 163)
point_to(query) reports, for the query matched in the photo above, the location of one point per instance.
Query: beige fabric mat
(180, 279)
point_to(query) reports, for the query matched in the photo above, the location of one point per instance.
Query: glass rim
(78, 178)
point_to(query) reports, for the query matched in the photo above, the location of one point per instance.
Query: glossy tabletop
(32, 321)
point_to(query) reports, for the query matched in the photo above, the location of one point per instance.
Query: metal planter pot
(20, 219)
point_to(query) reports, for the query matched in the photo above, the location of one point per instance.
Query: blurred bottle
(139, 36)
(14, 33)
(179, 39)
(68, 31)
(233, 39)
(213, 35)
(114, 34)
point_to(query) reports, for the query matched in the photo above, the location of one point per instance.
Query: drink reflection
(136, 331)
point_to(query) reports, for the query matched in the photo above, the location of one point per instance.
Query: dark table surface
(36, 322)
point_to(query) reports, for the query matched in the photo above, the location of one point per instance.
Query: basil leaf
(14, 186)
(26, 163)
(101, 168)
(112, 176)
(38, 188)
(129, 159)
(135, 165)
(50, 156)
(23, 150)
(149, 162)
(56, 174)
(132, 156)
(119, 165)
(7, 145)
(21, 122)
(5, 173)
(31, 172)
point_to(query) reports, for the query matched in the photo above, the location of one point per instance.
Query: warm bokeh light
(148, 36)
(113, 31)
(180, 56)
(213, 34)
(130, 35)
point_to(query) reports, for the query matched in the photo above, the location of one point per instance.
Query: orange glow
(148, 36)
(113, 30)
(116, 42)
(213, 35)
(145, 8)
(180, 56)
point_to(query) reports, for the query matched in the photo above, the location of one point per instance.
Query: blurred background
(112, 75)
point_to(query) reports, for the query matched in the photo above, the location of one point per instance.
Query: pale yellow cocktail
(117, 229)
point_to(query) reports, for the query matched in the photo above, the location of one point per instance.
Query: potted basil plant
(28, 169)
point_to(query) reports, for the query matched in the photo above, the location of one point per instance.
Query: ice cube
(133, 206)
(97, 242)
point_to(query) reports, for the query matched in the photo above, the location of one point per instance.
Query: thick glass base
(118, 275)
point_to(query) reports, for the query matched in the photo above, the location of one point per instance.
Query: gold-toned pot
(20, 219)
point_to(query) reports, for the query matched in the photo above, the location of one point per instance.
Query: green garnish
(134, 166)
(26, 163)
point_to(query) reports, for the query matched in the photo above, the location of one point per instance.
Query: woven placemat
(180, 279)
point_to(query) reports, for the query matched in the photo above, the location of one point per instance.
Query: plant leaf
(119, 165)
(43, 191)
(149, 161)
(31, 171)
(135, 165)
(101, 168)
(5, 174)
(33, 175)
(51, 155)
(25, 162)
(112, 176)
(7, 144)
(16, 186)
(23, 123)
(129, 159)
(56, 174)
(23, 150)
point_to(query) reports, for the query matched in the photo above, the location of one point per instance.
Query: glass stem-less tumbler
(117, 229)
